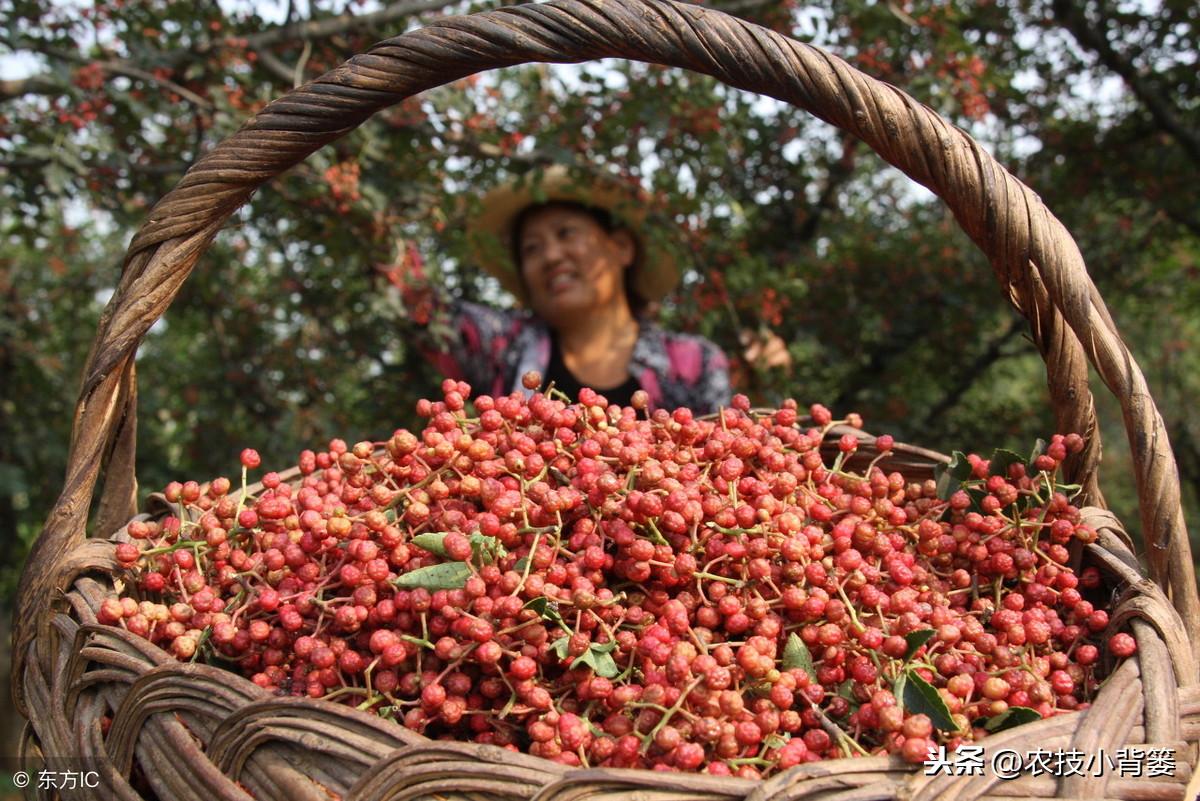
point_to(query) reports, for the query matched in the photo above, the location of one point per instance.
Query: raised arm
(465, 341)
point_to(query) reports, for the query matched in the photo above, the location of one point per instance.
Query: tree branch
(312, 30)
(33, 85)
(890, 349)
(275, 65)
(125, 68)
(1165, 114)
(343, 23)
(165, 168)
(840, 171)
(736, 7)
(993, 353)
(130, 71)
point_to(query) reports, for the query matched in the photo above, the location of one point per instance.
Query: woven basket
(191, 731)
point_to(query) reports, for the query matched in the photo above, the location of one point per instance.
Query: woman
(575, 251)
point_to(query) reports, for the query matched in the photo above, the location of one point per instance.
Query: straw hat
(489, 234)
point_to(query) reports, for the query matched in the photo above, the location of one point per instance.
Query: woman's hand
(765, 349)
(407, 269)
(407, 274)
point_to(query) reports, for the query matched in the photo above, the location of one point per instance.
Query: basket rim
(1038, 263)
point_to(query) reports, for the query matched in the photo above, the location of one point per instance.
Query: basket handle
(1037, 263)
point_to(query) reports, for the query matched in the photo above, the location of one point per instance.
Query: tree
(289, 332)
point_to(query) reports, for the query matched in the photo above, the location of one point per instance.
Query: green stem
(528, 563)
(669, 714)
(725, 579)
(849, 608)
(371, 701)
(657, 537)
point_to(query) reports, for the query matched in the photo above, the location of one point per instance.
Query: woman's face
(570, 264)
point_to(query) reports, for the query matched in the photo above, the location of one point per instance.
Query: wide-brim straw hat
(655, 270)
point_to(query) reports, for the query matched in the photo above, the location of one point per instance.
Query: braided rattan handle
(1035, 259)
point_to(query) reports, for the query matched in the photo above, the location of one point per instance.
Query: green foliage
(289, 332)
(797, 656)
(1013, 716)
(444, 576)
(915, 640)
(598, 657)
(920, 697)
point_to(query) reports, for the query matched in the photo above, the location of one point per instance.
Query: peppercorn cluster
(603, 586)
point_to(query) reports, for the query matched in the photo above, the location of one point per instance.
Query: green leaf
(485, 549)
(606, 666)
(950, 477)
(446, 576)
(915, 640)
(598, 657)
(512, 701)
(775, 741)
(921, 697)
(797, 655)
(1013, 716)
(547, 610)
(521, 564)
(977, 495)
(1002, 460)
(560, 646)
(960, 466)
(846, 690)
(1039, 447)
(432, 541)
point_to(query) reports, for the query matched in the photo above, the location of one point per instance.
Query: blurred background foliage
(290, 331)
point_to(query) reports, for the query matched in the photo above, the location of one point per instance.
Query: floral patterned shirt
(492, 348)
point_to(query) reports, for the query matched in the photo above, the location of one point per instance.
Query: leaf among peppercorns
(547, 610)
(797, 655)
(432, 541)
(1002, 460)
(915, 640)
(950, 477)
(598, 657)
(446, 576)
(1013, 716)
(921, 697)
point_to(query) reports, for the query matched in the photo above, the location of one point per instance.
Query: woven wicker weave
(196, 732)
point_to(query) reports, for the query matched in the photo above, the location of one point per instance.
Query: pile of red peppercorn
(600, 586)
